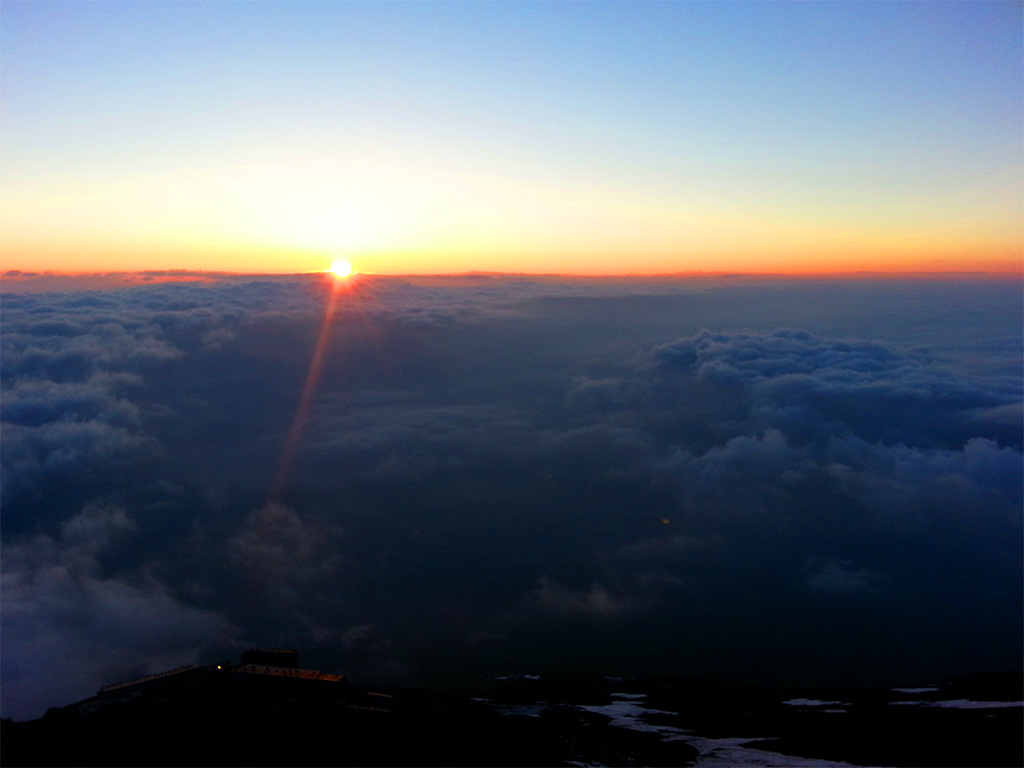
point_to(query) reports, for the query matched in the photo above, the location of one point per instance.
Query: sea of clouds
(768, 480)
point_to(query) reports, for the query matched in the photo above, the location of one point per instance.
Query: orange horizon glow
(1006, 266)
(432, 221)
(930, 255)
(420, 222)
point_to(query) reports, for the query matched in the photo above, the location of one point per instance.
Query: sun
(341, 268)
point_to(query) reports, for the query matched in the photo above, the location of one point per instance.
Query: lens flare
(291, 443)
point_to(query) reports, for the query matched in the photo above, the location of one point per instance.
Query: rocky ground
(537, 721)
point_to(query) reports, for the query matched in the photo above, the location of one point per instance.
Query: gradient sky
(588, 138)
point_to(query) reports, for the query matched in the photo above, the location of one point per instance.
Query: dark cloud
(513, 474)
(282, 553)
(594, 601)
(842, 577)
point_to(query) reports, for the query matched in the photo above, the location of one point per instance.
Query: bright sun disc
(341, 268)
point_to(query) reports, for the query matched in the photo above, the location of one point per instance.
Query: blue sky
(805, 125)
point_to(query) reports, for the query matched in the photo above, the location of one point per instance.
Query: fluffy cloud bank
(513, 474)
(69, 628)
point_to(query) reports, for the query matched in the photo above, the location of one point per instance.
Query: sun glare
(341, 268)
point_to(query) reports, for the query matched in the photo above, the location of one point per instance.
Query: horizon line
(23, 274)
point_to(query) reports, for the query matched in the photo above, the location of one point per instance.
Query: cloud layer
(778, 482)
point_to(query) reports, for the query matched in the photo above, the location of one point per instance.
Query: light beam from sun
(291, 442)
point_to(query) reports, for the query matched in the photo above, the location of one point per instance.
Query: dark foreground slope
(213, 725)
(532, 721)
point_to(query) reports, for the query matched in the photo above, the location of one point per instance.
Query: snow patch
(523, 710)
(812, 703)
(962, 704)
(967, 704)
(728, 753)
(624, 714)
